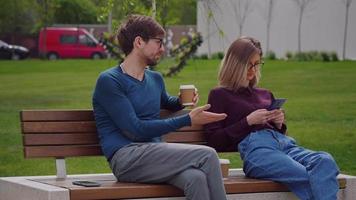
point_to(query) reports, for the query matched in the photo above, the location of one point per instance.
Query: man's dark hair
(137, 25)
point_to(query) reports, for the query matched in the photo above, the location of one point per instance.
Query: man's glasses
(159, 40)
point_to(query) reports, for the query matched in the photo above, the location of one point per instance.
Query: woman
(259, 134)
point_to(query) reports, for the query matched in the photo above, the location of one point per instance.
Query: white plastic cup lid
(184, 87)
(224, 161)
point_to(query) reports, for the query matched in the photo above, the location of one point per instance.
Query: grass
(321, 105)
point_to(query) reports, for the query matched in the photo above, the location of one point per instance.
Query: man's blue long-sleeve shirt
(127, 110)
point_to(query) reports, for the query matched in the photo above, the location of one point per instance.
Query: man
(127, 102)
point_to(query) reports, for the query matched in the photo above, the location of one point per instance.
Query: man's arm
(113, 100)
(169, 102)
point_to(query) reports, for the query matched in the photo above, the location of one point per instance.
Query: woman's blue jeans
(268, 154)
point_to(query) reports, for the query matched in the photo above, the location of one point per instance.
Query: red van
(56, 42)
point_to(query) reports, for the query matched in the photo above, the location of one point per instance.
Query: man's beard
(151, 62)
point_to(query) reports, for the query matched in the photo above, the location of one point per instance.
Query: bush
(301, 56)
(270, 55)
(204, 56)
(195, 56)
(218, 55)
(323, 56)
(333, 56)
(315, 56)
(289, 55)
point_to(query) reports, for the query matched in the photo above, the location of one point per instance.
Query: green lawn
(321, 105)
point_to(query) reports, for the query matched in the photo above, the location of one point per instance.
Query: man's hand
(195, 98)
(199, 116)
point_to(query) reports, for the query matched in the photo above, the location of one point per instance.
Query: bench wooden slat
(59, 127)
(33, 139)
(57, 115)
(60, 139)
(191, 128)
(126, 192)
(62, 151)
(72, 126)
(233, 185)
(185, 137)
(74, 115)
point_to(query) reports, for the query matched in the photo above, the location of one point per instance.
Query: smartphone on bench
(277, 103)
(86, 183)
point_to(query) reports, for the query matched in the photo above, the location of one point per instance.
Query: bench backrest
(67, 133)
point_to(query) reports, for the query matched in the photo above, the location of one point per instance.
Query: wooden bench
(71, 133)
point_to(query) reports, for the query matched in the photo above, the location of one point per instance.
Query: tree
(75, 12)
(347, 6)
(45, 11)
(302, 6)
(119, 9)
(241, 9)
(17, 16)
(210, 6)
(171, 12)
(154, 9)
(168, 12)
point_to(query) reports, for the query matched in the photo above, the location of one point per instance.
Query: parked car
(13, 52)
(57, 42)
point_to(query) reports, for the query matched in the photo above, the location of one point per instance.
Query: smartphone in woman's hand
(277, 103)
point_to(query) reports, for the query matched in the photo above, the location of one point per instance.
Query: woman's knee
(327, 161)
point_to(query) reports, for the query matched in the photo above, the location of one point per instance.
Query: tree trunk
(208, 36)
(300, 28)
(154, 9)
(240, 29)
(269, 19)
(345, 31)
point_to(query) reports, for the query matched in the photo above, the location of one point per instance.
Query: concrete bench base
(23, 188)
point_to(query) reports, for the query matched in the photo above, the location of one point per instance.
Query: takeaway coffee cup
(187, 94)
(224, 164)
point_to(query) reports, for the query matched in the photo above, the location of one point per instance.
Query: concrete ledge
(20, 188)
(350, 192)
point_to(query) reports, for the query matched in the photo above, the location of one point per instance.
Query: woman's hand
(260, 116)
(277, 117)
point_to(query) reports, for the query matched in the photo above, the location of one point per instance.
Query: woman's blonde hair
(234, 66)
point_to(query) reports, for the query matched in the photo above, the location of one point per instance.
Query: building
(322, 27)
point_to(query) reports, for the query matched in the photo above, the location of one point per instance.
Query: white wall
(322, 28)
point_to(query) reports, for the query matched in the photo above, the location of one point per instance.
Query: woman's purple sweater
(225, 135)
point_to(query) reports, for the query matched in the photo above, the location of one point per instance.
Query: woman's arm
(219, 134)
